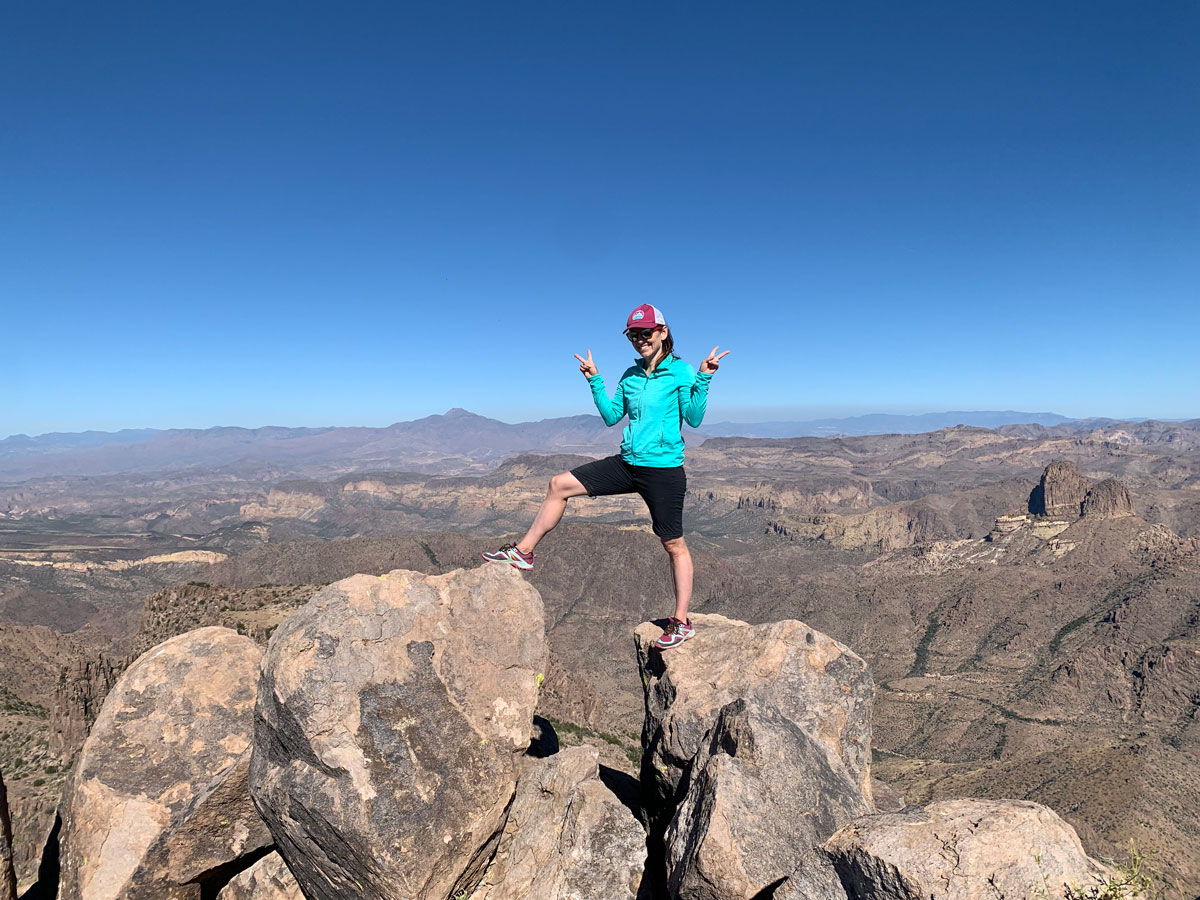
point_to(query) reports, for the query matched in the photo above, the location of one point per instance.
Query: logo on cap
(639, 315)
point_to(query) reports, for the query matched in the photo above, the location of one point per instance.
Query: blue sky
(325, 214)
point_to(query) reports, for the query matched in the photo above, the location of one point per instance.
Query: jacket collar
(664, 366)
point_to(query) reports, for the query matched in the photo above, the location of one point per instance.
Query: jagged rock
(568, 837)
(392, 713)
(760, 795)
(814, 879)
(961, 850)
(177, 720)
(267, 879)
(1108, 500)
(1060, 492)
(810, 679)
(220, 826)
(8, 874)
(78, 696)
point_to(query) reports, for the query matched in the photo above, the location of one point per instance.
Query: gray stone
(760, 796)
(567, 837)
(962, 850)
(807, 677)
(267, 879)
(391, 717)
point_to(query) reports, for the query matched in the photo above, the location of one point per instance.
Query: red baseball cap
(645, 316)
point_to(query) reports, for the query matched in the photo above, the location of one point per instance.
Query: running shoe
(511, 555)
(675, 634)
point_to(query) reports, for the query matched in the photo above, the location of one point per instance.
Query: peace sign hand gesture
(712, 362)
(586, 366)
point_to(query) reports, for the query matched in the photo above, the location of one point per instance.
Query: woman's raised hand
(587, 367)
(712, 362)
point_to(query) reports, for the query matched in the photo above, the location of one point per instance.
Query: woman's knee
(564, 485)
(675, 546)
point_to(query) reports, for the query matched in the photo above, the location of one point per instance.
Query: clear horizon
(229, 216)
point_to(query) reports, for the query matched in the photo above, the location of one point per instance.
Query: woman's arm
(693, 399)
(611, 411)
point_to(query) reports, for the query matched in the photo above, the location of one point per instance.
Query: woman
(659, 393)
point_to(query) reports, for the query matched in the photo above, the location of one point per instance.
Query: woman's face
(651, 347)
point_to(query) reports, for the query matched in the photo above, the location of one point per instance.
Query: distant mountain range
(883, 423)
(458, 441)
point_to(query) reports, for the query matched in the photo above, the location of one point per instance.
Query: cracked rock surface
(962, 850)
(392, 712)
(177, 721)
(568, 837)
(267, 879)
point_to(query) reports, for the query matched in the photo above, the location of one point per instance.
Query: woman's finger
(726, 353)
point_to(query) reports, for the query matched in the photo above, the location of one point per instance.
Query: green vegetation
(428, 552)
(921, 663)
(1136, 879)
(1056, 641)
(564, 729)
(9, 702)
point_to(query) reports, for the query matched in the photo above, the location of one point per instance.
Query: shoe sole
(516, 566)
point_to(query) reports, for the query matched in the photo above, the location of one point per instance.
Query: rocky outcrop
(8, 875)
(391, 714)
(567, 838)
(807, 678)
(1108, 500)
(759, 797)
(176, 722)
(220, 826)
(962, 850)
(78, 696)
(1060, 492)
(267, 879)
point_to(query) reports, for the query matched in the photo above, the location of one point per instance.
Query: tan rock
(267, 879)
(810, 679)
(760, 797)
(962, 850)
(392, 712)
(1108, 500)
(178, 719)
(568, 837)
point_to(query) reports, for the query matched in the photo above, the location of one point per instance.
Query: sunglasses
(639, 334)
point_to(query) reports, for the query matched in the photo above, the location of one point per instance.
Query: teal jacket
(657, 404)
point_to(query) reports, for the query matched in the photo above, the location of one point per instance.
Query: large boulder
(392, 711)
(962, 850)
(568, 837)
(809, 679)
(267, 879)
(175, 724)
(8, 875)
(760, 797)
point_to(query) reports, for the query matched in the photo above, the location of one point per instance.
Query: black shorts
(662, 489)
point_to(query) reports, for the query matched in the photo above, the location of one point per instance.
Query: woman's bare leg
(562, 488)
(681, 575)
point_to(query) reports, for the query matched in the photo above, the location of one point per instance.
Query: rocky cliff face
(1060, 492)
(389, 755)
(1066, 494)
(1108, 500)
(78, 696)
(8, 874)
